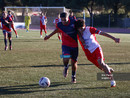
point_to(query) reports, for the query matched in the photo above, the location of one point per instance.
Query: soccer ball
(44, 82)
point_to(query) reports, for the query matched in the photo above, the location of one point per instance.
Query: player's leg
(107, 71)
(27, 26)
(10, 40)
(74, 57)
(66, 66)
(44, 28)
(74, 69)
(59, 36)
(98, 60)
(5, 40)
(41, 31)
(66, 57)
(12, 25)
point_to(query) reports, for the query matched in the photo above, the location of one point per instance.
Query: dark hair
(79, 23)
(9, 11)
(63, 15)
(3, 11)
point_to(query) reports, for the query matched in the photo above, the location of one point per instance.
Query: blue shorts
(8, 33)
(70, 51)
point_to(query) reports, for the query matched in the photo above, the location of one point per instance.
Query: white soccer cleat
(6, 47)
(73, 79)
(111, 69)
(40, 36)
(17, 36)
(113, 83)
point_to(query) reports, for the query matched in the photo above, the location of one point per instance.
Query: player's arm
(8, 21)
(117, 40)
(51, 34)
(80, 37)
(45, 20)
(54, 22)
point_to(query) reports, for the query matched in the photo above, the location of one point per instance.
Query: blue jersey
(6, 26)
(69, 35)
(72, 19)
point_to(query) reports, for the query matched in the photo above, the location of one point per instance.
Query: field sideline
(33, 58)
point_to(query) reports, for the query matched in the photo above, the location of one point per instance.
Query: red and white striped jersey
(56, 20)
(42, 20)
(90, 39)
(11, 16)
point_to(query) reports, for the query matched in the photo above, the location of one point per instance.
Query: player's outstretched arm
(51, 34)
(117, 40)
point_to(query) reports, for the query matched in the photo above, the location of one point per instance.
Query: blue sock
(73, 74)
(10, 42)
(5, 41)
(66, 66)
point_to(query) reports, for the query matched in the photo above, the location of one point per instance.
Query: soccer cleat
(45, 35)
(26, 30)
(40, 36)
(6, 48)
(111, 70)
(17, 36)
(10, 48)
(65, 72)
(113, 83)
(73, 80)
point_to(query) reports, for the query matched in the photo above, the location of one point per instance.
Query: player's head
(71, 13)
(64, 18)
(9, 12)
(4, 14)
(27, 13)
(80, 24)
(58, 15)
(41, 14)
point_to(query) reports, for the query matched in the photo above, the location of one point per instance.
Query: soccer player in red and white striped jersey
(92, 48)
(12, 25)
(43, 21)
(56, 21)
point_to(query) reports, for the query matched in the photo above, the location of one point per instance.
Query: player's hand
(46, 37)
(6, 21)
(117, 40)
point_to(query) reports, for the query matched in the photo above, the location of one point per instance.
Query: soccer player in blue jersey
(72, 17)
(69, 44)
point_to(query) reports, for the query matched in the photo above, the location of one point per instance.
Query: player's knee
(66, 61)
(101, 63)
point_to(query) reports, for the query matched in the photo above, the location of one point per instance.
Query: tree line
(114, 7)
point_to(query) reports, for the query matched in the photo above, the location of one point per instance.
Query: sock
(59, 37)
(73, 74)
(10, 42)
(66, 66)
(15, 32)
(5, 41)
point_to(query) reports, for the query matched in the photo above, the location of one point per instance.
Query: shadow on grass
(23, 89)
(20, 89)
(38, 66)
(124, 63)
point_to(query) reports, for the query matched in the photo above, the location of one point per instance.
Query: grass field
(33, 58)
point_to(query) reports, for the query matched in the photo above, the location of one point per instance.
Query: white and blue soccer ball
(44, 82)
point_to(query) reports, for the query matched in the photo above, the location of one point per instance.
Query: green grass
(33, 58)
